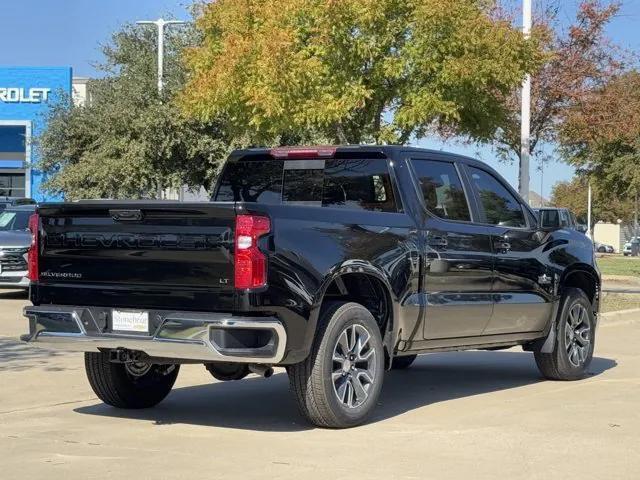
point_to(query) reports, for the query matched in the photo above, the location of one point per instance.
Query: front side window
(500, 206)
(442, 189)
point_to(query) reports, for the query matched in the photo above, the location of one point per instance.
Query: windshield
(13, 220)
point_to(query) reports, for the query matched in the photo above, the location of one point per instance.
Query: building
(25, 96)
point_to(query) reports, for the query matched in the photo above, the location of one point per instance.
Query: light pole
(523, 184)
(160, 24)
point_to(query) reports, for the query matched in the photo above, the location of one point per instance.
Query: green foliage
(601, 136)
(128, 140)
(354, 71)
(605, 206)
(577, 59)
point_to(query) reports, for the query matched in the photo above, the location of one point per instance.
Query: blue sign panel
(26, 93)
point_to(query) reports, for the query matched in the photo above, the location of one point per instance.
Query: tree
(605, 207)
(578, 60)
(354, 71)
(601, 136)
(127, 140)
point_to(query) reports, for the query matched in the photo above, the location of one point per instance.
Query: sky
(70, 32)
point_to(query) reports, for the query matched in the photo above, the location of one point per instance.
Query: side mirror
(550, 221)
(581, 228)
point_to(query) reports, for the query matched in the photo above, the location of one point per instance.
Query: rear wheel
(574, 342)
(339, 383)
(129, 385)
(401, 363)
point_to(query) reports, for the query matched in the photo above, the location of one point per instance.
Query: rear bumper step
(208, 337)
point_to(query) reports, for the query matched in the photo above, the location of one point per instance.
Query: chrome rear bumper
(196, 336)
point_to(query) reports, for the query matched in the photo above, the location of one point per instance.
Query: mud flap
(550, 341)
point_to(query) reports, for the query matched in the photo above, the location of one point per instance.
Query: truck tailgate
(142, 254)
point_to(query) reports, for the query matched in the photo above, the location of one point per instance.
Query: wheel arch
(584, 277)
(358, 278)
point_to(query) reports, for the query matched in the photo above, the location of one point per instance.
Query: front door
(522, 286)
(457, 267)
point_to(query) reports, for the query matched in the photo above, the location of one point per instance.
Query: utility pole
(523, 186)
(635, 216)
(160, 24)
(589, 212)
(541, 183)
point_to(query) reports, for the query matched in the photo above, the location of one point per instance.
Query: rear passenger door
(457, 266)
(522, 302)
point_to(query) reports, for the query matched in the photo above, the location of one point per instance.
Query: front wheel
(129, 385)
(575, 338)
(338, 384)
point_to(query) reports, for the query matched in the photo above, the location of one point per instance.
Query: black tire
(116, 385)
(227, 371)
(312, 381)
(602, 250)
(564, 362)
(402, 363)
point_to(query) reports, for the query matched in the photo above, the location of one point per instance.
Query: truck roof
(381, 150)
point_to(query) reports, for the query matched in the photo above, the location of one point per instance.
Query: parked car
(603, 248)
(627, 249)
(550, 217)
(15, 240)
(15, 201)
(337, 263)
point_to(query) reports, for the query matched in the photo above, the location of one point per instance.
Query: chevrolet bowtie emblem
(544, 279)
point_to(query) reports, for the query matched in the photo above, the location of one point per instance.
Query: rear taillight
(32, 255)
(250, 262)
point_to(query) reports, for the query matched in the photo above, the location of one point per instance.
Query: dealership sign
(24, 95)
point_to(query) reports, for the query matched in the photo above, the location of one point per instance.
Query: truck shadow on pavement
(18, 356)
(266, 405)
(14, 294)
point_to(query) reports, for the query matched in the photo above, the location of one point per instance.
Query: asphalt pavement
(452, 415)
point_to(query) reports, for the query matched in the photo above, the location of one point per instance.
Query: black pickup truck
(338, 263)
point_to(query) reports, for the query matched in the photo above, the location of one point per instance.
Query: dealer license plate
(130, 321)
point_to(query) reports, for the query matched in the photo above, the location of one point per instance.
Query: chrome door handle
(438, 242)
(502, 246)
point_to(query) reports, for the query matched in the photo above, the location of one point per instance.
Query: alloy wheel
(577, 335)
(354, 360)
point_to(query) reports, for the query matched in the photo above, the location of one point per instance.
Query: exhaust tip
(264, 371)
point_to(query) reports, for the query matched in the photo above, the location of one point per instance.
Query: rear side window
(442, 189)
(500, 206)
(361, 184)
(358, 184)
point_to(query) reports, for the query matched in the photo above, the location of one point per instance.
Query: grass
(612, 302)
(619, 265)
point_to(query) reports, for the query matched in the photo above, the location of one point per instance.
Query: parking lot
(477, 414)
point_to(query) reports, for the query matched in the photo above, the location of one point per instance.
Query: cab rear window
(361, 184)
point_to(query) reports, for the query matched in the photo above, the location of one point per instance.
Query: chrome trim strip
(181, 335)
